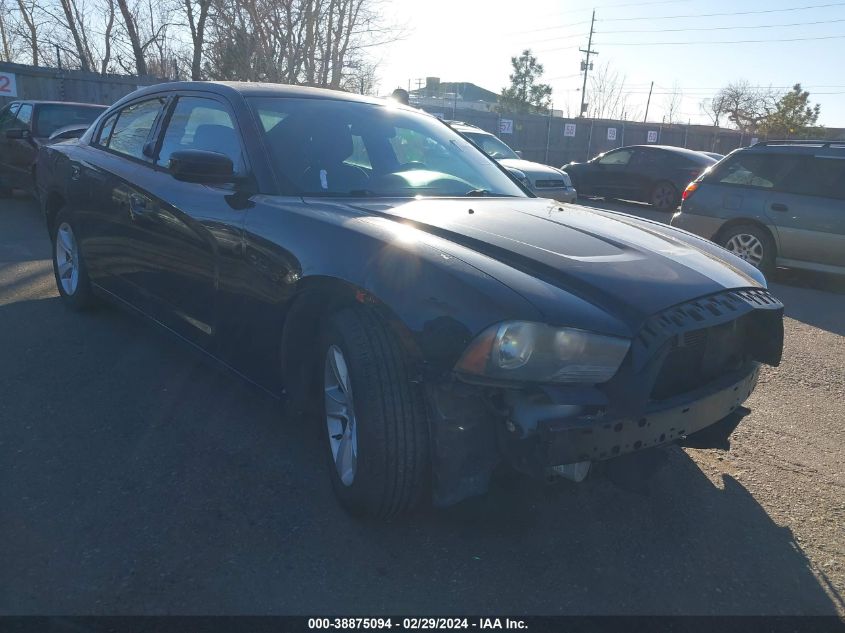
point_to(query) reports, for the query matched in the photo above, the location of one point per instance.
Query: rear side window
(818, 176)
(105, 131)
(133, 126)
(201, 124)
(50, 117)
(760, 171)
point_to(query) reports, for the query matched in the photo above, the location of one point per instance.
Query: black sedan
(361, 257)
(26, 125)
(656, 174)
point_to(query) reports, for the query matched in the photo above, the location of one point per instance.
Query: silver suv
(777, 203)
(543, 180)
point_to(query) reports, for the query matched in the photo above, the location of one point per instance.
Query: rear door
(808, 209)
(115, 174)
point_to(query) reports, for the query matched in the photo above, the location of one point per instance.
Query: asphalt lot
(137, 478)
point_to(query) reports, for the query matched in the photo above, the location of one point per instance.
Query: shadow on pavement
(135, 478)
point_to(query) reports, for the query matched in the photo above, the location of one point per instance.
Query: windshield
(342, 148)
(491, 145)
(52, 116)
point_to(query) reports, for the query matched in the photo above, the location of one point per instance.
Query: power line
(612, 6)
(712, 42)
(712, 15)
(723, 28)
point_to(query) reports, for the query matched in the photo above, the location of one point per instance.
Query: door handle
(777, 206)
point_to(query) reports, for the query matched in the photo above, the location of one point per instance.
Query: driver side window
(620, 157)
(201, 124)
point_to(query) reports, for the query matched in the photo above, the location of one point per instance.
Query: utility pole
(648, 103)
(586, 63)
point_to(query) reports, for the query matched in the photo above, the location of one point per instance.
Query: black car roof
(257, 89)
(689, 153)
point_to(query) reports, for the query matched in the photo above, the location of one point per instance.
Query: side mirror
(194, 165)
(18, 133)
(518, 152)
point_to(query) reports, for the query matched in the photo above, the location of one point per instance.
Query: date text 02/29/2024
(415, 624)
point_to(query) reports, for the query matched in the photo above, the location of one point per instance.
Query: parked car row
(378, 268)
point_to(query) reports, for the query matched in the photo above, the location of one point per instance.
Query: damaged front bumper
(655, 399)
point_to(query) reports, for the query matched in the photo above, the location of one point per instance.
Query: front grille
(700, 313)
(549, 184)
(697, 357)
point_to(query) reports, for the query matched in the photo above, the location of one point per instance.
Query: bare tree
(131, 26)
(606, 95)
(745, 106)
(713, 108)
(28, 15)
(311, 42)
(672, 104)
(5, 35)
(107, 36)
(196, 14)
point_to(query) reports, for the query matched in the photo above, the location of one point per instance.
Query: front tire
(69, 268)
(373, 417)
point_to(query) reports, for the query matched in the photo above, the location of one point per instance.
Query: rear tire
(752, 244)
(374, 423)
(69, 267)
(664, 196)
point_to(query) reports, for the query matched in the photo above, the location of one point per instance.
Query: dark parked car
(778, 203)
(372, 262)
(26, 125)
(656, 174)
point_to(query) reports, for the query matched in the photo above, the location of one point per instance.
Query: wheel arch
(54, 202)
(317, 298)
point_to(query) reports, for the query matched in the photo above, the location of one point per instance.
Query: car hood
(629, 267)
(529, 168)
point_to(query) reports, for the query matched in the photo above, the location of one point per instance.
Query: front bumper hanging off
(475, 428)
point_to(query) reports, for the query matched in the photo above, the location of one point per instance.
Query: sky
(473, 40)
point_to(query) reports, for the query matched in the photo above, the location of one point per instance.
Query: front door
(190, 234)
(611, 172)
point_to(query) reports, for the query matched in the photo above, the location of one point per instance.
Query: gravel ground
(136, 478)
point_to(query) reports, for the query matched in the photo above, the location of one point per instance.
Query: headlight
(525, 351)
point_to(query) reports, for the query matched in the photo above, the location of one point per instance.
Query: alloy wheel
(341, 424)
(664, 196)
(67, 258)
(746, 247)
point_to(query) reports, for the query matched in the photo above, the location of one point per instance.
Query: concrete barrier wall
(54, 84)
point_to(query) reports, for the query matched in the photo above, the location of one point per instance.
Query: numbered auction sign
(506, 126)
(611, 134)
(569, 129)
(652, 136)
(8, 85)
